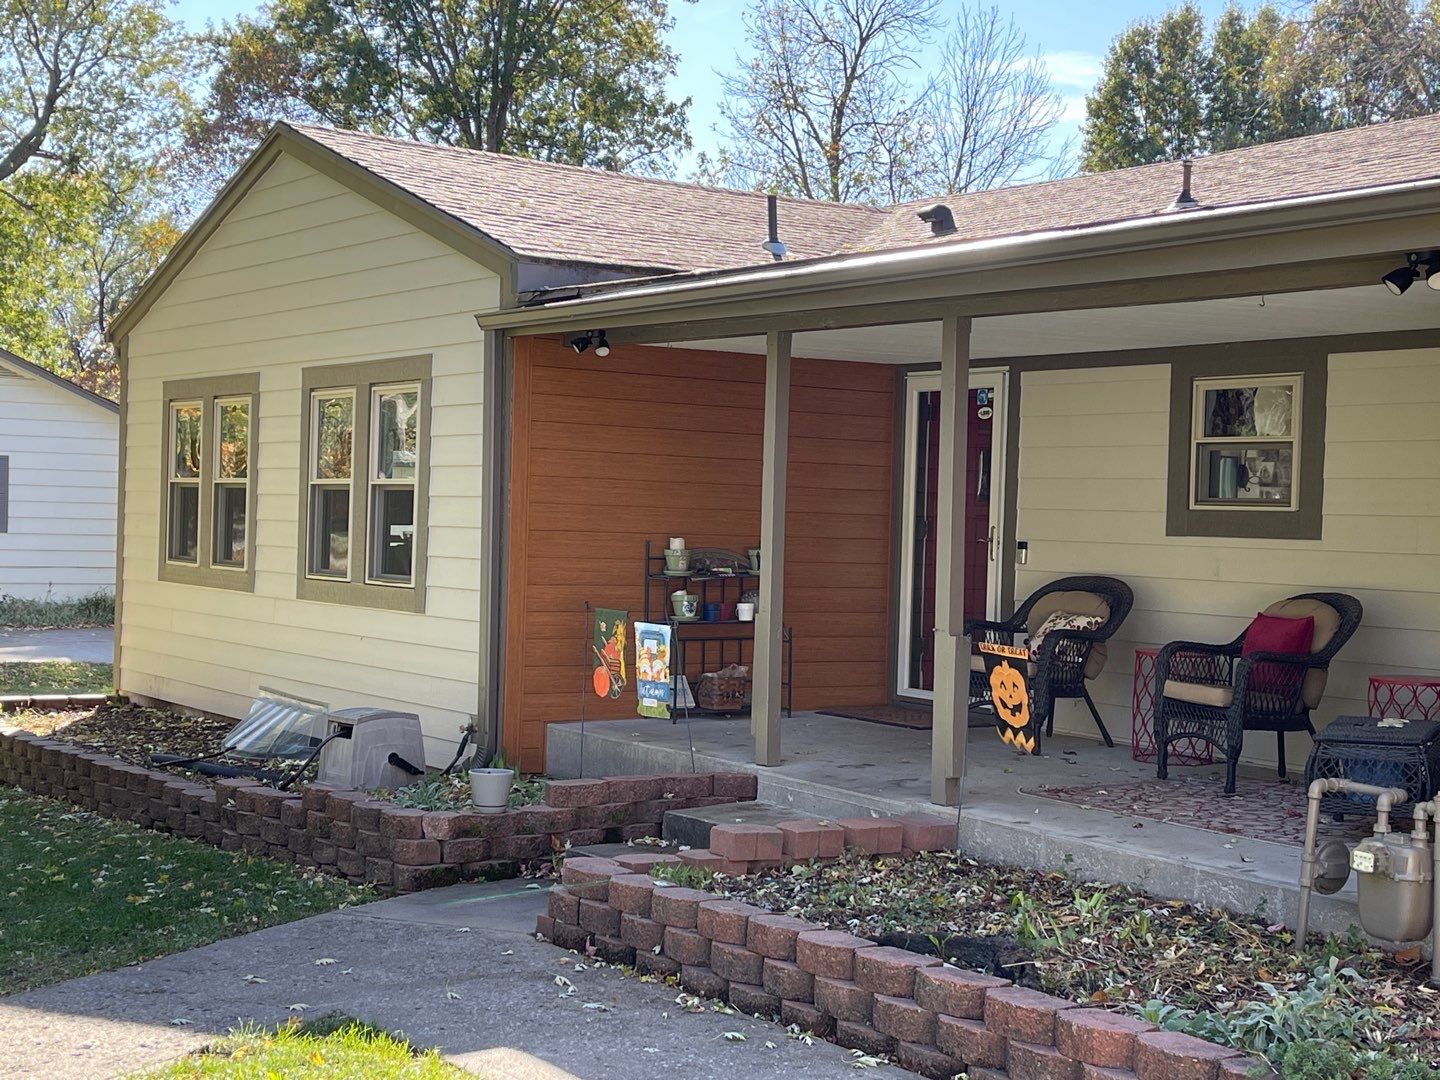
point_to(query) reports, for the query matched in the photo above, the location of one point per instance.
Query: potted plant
(490, 786)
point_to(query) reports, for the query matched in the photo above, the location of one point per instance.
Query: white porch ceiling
(1364, 310)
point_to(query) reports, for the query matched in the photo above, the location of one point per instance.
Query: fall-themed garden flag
(607, 646)
(1006, 670)
(652, 669)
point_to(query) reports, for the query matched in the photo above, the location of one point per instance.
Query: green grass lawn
(82, 894)
(334, 1049)
(56, 677)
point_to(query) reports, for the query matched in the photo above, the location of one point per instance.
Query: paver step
(692, 827)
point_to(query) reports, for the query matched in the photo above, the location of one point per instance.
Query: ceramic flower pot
(490, 789)
(686, 604)
(676, 561)
(754, 554)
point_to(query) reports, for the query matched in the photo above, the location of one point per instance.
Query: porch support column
(952, 647)
(769, 655)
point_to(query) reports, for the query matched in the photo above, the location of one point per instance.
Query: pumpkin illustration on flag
(1010, 695)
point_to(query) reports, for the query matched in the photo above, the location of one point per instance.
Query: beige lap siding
(1091, 499)
(304, 273)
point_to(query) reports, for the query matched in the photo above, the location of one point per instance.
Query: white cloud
(1073, 70)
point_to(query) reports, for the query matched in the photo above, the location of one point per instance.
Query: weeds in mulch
(441, 792)
(1234, 979)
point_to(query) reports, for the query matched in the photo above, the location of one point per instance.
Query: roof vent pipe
(1185, 201)
(940, 219)
(773, 245)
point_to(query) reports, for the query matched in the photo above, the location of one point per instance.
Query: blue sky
(1071, 36)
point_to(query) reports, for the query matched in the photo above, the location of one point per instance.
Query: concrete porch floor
(836, 767)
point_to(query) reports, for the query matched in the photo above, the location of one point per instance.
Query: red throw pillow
(1271, 633)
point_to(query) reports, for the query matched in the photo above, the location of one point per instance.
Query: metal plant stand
(709, 645)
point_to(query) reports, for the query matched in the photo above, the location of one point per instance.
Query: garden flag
(1006, 667)
(652, 669)
(607, 646)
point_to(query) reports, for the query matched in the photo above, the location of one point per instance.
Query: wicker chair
(1211, 692)
(1066, 659)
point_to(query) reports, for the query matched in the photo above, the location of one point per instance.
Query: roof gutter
(918, 263)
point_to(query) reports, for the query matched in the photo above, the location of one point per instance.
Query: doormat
(1259, 810)
(900, 716)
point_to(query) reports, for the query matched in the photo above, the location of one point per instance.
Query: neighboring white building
(58, 455)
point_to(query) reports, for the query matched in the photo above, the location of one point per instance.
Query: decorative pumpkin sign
(1010, 694)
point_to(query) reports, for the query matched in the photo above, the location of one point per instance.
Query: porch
(836, 767)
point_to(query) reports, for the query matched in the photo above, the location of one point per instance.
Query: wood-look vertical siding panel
(648, 443)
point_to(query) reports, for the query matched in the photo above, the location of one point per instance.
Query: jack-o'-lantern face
(1007, 691)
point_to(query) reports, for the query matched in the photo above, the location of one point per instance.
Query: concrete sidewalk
(458, 969)
(95, 646)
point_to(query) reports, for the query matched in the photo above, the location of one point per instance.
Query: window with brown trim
(208, 481)
(363, 504)
(1247, 441)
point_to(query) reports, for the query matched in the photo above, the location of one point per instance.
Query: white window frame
(375, 484)
(220, 483)
(1199, 441)
(174, 480)
(316, 484)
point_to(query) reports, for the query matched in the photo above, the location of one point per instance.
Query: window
(184, 512)
(4, 493)
(332, 426)
(208, 535)
(232, 481)
(363, 508)
(395, 458)
(1246, 442)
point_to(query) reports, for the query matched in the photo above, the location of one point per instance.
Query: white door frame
(916, 383)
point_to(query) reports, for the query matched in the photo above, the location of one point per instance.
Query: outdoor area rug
(1259, 810)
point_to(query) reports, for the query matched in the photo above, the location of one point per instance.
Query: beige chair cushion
(1327, 621)
(1217, 697)
(1073, 603)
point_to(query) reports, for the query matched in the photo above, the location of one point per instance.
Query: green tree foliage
(91, 93)
(1173, 86)
(579, 81)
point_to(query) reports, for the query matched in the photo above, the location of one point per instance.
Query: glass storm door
(983, 504)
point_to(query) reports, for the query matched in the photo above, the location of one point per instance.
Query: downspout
(495, 366)
(122, 357)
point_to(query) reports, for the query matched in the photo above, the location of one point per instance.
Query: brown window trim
(204, 571)
(1279, 358)
(355, 590)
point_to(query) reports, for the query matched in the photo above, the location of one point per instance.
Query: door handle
(991, 543)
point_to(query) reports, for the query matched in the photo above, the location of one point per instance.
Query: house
(58, 482)
(396, 416)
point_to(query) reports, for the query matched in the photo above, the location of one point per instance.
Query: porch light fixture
(581, 342)
(1418, 265)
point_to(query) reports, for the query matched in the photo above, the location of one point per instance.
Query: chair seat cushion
(1216, 697)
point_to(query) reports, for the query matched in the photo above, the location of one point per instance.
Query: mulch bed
(1095, 943)
(130, 732)
(1259, 810)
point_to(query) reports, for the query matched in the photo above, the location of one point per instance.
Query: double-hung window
(366, 443)
(1246, 442)
(208, 533)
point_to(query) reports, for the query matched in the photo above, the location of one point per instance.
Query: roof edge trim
(26, 367)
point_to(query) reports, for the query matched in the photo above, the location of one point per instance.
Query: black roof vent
(773, 244)
(939, 218)
(1185, 201)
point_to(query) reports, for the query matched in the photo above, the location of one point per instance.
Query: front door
(984, 502)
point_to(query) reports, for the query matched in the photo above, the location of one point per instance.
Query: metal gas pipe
(1397, 892)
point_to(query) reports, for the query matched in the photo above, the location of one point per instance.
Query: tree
(1149, 105)
(579, 81)
(992, 108)
(90, 94)
(1170, 89)
(823, 109)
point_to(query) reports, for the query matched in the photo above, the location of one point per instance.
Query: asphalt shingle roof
(565, 213)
